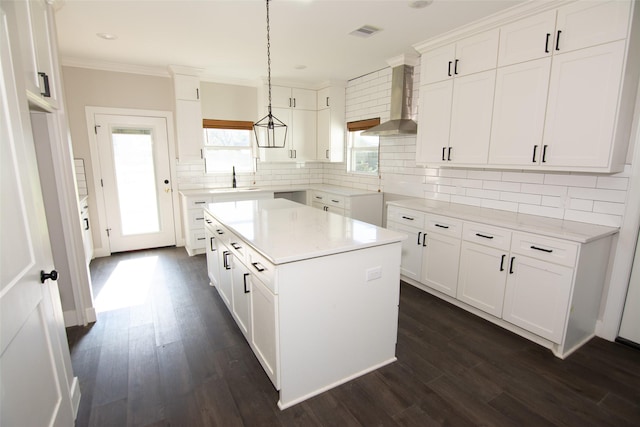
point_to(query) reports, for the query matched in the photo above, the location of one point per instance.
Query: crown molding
(114, 66)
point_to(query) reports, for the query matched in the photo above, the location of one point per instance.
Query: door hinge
(95, 128)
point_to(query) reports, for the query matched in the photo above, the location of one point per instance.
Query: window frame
(357, 126)
(228, 125)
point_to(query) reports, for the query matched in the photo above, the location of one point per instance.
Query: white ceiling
(227, 38)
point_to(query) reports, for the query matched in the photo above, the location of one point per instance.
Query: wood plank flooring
(178, 359)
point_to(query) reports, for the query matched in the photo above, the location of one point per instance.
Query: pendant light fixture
(274, 133)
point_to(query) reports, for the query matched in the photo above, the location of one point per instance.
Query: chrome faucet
(233, 183)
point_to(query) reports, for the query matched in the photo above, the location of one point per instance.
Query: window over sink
(227, 144)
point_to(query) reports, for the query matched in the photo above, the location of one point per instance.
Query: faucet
(233, 183)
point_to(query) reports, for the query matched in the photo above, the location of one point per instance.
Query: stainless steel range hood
(400, 122)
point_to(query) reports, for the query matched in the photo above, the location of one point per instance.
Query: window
(362, 152)
(227, 143)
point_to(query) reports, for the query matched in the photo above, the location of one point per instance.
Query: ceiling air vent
(365, 31)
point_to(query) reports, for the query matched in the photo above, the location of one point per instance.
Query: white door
(33, 380)
(441, 258)
(136, 180)
(435, 119)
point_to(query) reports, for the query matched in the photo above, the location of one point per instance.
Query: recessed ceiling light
(419, 4)
(365, 31)
(107, 36)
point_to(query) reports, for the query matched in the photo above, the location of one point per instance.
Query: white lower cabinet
(264, 321)
(537, 296)
(440, 259)
(240, 290)
(364, 206)
(546, 289)
(213, 258)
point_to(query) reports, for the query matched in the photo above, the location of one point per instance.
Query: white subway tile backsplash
(530, 199)
(523, 177)
(484, 174)
(598, 194)
(570, 180)
(553, 201)
(545, 190)
(612, 183)
(541, 211)
(609, 208)
(502, 205)
(581, 205)
(593, 218)
(501, 186)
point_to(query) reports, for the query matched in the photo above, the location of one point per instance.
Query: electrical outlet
(374, 273)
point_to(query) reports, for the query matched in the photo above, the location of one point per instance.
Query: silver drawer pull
(258, 266)
(407, 217)
(441, 226)
(483, 235)
(542, 249)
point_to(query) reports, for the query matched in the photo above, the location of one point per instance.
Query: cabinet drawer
(334, 200)
(198, 202)
(405, 216)
(318, 196)
(443, 225)
(196, 218)
(198, 238)
(545, 249)
(237, 246)
(486, 235)
(262, 268)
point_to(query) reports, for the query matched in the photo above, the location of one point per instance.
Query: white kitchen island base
(315, 294)
(334, 324)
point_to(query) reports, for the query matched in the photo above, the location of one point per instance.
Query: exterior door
(34, 388)
(136, 180)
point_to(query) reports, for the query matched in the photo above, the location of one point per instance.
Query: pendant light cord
(268, 58)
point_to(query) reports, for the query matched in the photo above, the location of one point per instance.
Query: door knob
(166, 181)
(44, 276)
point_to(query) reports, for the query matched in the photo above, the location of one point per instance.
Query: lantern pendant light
(274, 134)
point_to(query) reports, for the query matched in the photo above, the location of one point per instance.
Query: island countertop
(285, 231)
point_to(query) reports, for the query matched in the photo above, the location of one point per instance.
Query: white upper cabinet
(36, 44)
(589, 23)
(186, 87)
(286, 97)
(564, 91)
(582, 106)
(467, 56)
(527, 39)
(519, 113)
(330, 124)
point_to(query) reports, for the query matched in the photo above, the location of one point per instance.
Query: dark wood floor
(178, 359)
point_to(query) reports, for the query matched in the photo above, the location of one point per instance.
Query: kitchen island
(315, 293)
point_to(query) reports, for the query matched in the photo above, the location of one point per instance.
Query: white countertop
(345, 191)
(285, 231)
(569, 230)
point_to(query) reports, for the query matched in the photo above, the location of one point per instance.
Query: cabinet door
(37, 48)
(582, 106)
(482, 278)
(437, 65)
(588, 23)
(440, 261)
(224, 285)
(476, 53)
(518, 113)
(527, 39)
(323, 151)
(537, 297)
(280, 154)
(213, 259)
(434, 123)
(186, 87)
(411, 255)
(264, 329)
(304, 99)
(471, 118)
(323, 98)
(303, 135)
(189, 130)
(240, 300)
(280, 96)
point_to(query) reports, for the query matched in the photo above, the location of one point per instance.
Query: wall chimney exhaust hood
(400, 122)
